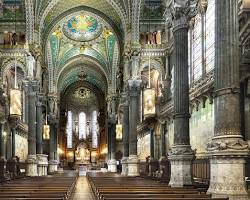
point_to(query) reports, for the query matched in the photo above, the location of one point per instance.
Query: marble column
(181, 154)
(134, 89)
(112, 167)
(32, 159)
(227, 150)
(42, 165)
(152, 161)
(163, 158)
(2, 153)
(53, 163)
(125, 132)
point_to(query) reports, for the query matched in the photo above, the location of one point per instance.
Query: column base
(112, 167)
(124, 166)
(227, 163)
(31, 168)
(42, 165)
(181, 157)
(53, 166)
(153, 166)
(133, 165)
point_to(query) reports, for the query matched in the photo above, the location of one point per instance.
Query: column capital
(124, 99)
(40, 100)
(179, 12)
(134, 87)
(33, 87)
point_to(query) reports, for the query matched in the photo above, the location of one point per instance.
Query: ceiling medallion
(82, 28)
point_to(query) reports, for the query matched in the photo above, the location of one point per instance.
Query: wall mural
(21, 147)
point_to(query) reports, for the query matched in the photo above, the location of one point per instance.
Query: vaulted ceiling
(82, 42)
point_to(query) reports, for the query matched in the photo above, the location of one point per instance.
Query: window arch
(82, 125)
(69, 129)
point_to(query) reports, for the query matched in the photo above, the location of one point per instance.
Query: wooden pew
(111, 187)
(50, 187)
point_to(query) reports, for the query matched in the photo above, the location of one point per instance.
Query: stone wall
(21, 147)
(201, 128)
(143, 147)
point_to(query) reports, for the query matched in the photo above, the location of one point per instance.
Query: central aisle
(82, 190)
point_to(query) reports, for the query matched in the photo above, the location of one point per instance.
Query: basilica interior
(125, 99)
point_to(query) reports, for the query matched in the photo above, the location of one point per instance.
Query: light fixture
(149, 96)
(46, 128)
(15, 98)
(118, 130)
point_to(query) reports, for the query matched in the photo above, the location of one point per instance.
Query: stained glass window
(69, 129)
(94, 128)
(210, 35)
(82, 125)
(197, 48)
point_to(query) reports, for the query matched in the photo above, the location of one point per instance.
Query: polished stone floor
(82, 190)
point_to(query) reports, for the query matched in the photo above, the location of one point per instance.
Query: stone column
(39, 124)
(228, 150)
(112, 167)
(2, 153)
(125, 132)
(32, 160)
(53, 163)
(181, 154)
(152, 161)
(42, 165)
(163, 158)
(134, 89)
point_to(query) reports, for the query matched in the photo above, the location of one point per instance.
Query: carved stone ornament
(179, 12)
(181, 150)
(238, 144)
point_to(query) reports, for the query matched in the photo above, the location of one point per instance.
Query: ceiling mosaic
(82, 28)
(82, 34)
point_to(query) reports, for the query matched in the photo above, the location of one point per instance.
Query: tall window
(94, 128)
(69, 129)
(197, 48)
(202, 43)
(82, 125)
(210, 35)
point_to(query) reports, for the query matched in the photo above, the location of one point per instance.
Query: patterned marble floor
(83, 190)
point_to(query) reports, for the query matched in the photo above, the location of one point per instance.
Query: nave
(152, 92)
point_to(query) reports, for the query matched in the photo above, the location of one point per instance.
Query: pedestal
(42, 164)
(2, 168)
(112, 167)
(12, 167)
(53, 164)
(181, 158)
(153, 166)
(228, 178)
(124, 166)
(133, 165)
(31, 162)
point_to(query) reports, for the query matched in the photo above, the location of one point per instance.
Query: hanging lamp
(118, 130)
(15, 93)
(46, 128)
(149, 96)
